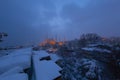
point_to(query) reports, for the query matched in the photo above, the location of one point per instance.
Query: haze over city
(29, 21)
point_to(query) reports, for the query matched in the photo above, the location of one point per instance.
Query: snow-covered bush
(91, 68)
(80, 69)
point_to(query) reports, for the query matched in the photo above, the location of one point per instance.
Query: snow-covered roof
(15, 62)
(54, 57)
(45, 70)
(41, 54)
(19, 76)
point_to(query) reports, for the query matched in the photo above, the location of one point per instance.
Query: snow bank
(21, 76)
(96, 49)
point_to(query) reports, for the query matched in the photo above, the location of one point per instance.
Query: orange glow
(51, 42)
(48, 41)
(60, 43)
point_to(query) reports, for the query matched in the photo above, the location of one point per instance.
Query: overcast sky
(32, 20)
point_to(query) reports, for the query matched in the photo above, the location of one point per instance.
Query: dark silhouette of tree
(3, 35)
(89, 38)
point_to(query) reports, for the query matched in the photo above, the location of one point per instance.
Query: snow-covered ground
(19, 58)
(12, 66)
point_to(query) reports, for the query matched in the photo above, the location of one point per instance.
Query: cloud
(28, 21)
(96, 17)
(25, 21)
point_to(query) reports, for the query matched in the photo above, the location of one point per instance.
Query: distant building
(51, 43)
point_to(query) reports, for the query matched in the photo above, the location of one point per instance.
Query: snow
(12, 71)
(97, 44)
(93, 45)
(117, 48)
(22, 51)
(4, 52)
(96, 49)
(19, 76)
(90, 75)
(13, 64)
(17, 52)
(45, 70)
(93, 69)
(41, 54)
(10, 62)
(54, 57)
(20, 57)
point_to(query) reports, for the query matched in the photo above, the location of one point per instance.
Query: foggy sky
(31, 21)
